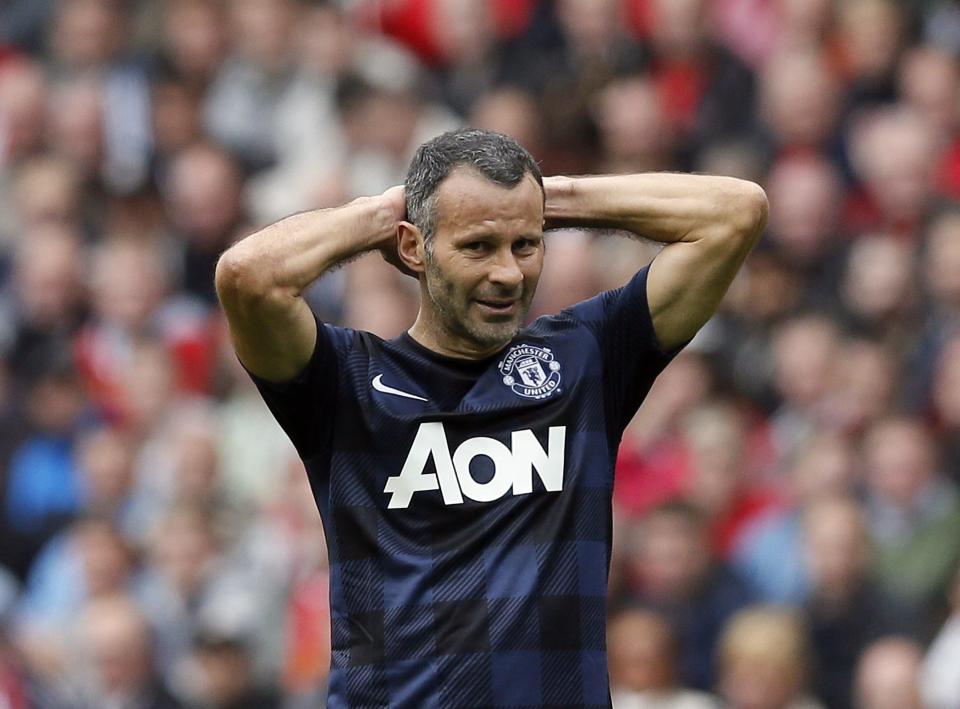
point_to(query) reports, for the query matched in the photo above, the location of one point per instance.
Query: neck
(430, 332)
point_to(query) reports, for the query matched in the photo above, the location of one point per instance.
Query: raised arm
(709, 223)
(261, 279)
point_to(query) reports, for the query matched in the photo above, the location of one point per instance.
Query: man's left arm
(708, 223)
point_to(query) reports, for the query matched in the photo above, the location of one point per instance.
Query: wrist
(379, 214)
(559, 192)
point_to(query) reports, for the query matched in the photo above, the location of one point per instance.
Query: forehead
(466, 199)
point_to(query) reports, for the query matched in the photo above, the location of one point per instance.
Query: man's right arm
(261, 279)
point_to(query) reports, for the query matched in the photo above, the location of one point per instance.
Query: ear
(410, 247)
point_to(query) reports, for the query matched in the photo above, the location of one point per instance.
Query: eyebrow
(489, 235)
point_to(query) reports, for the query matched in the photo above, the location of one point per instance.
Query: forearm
(289, 255)
(663, 207)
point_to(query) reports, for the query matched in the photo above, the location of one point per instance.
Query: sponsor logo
(378, 384)
(513, 466)
(530, 371)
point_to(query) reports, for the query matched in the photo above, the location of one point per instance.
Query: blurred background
(787, 508)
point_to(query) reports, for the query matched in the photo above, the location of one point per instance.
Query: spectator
(105, 460)
(942, 312)
(244, 92)
(13, 686)
(42, 486)
(940, 255)
(671, 571)
(643, 664)
(47, 188)
(755, 31)
(913, 510)
(650, 464)
(378, 298)
(90, 560)
(192, 578)
(764, 661)
(946, 404)
(471, 58)
(383, 122)
(723, 479)
(129, 280)
(176, 120)
(804, 350)
(877, 290)
(15, 689)
(848, 607)
(888, 675)
(769, 553)
(513, 112)
(805, 197)
(23, 92)
(870, 36)
(864, 386)
(204, 203)
(567, 281)
(194, 41)
(707, 93)
(251, 451)
(893, 151)
(800, 102)
(635, 134)
(940, 678)
(47, 302)
(114, 640)
(225, 677)
(929, 79)
(89, 38)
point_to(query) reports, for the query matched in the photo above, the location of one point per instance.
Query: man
(644, 662)
(464, 470)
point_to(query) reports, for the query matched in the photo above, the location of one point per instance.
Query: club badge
(530, 371)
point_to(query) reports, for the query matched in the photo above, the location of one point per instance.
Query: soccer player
(464, 470)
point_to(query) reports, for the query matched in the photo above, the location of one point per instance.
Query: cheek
(443, 287)
(533, 269)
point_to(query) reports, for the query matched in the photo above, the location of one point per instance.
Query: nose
(505, 271)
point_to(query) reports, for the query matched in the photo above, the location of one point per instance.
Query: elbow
(759, 209)
(237, 279)
(750, 211)
(228, 276)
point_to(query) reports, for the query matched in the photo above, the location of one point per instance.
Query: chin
(500, 335)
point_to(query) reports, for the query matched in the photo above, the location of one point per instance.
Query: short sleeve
(631, 356)
(305, 406)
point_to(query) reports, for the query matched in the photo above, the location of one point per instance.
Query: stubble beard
(454, 312)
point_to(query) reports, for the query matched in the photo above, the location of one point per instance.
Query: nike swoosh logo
(380, 386)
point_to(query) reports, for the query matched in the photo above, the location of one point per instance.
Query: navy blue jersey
(467, 505)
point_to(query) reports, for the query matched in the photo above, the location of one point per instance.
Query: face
(671, 558)
(888, 676)
(484, 261)
(900, 461)
(836, 546)
(641, 656)
(750, 683)
(117, 642)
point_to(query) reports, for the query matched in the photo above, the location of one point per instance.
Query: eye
(476, 247)
(525, 245)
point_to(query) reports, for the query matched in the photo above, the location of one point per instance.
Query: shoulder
(332, 348)
(602, 305)
(343, 339)
(594, 312)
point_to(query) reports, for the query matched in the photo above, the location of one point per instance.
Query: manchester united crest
(530, 371)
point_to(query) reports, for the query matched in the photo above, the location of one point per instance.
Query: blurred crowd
(787, 527)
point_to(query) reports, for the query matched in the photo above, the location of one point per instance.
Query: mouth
(498, 307)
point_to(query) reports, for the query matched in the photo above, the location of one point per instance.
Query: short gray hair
(497, 157)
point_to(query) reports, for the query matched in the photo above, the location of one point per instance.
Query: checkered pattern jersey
(452, 603)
